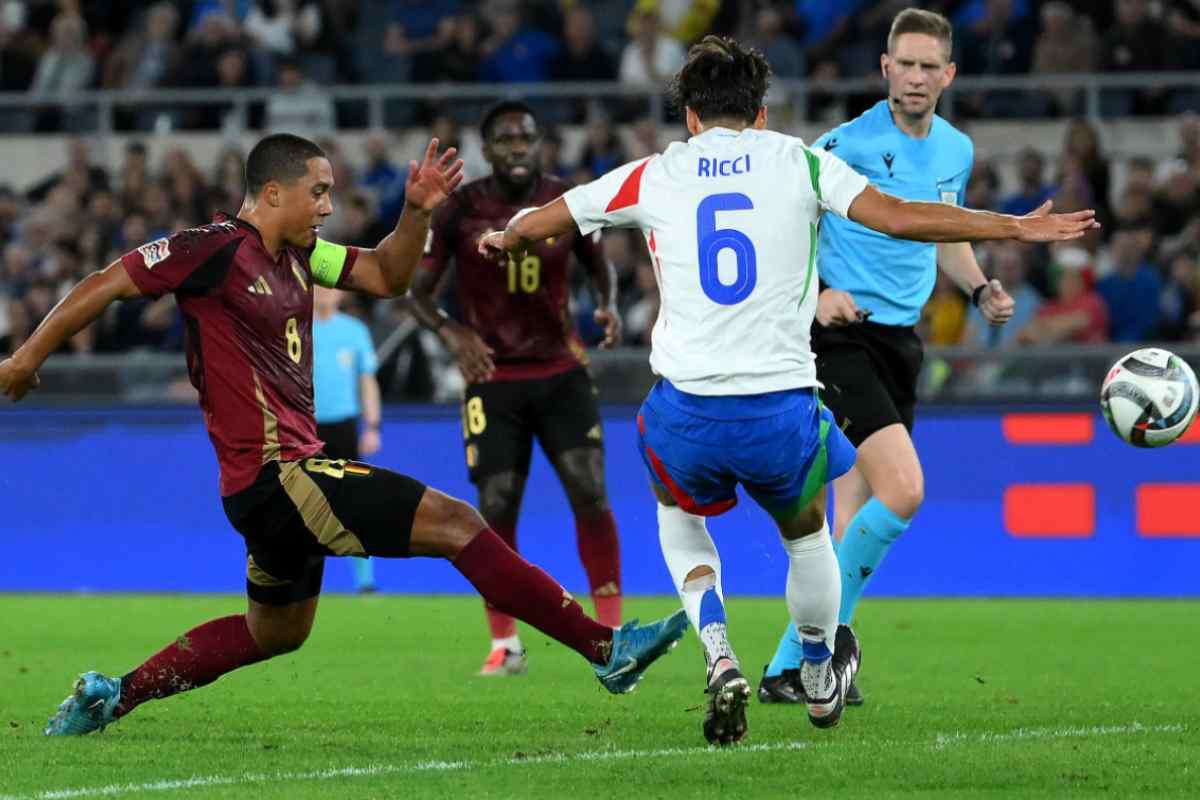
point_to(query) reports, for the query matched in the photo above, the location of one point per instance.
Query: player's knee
(904, 494)
(588, 498)
(460, 524)
(500, 497)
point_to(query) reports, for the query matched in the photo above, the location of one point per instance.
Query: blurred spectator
(651, 57)
(782, 51)
(584, 57)
(517, 52)
(383, 178)
(229, 180)
(645, 139)
(641, 316)
(1033, 190)
(10, 211)
(1136, 43)
(148, 56)
(275, 25)
(944, 317)
(458, 61)
(186, 192)
(79, 170)
(417, 32)
(1131, 291)
(603, 151)
(299, 105)
(18, 52)
(1179, 298)
(1183, 22)
(1000, 42)
(551, 155)
(67, 66)
(1177, 202)
(354, 222)
(686, 21)
(983, 190)
(1189, 140)
(1066, 45)
(1007, 262)
(822, 25)
(1082, 143)
(1075, 313)
(203, 45)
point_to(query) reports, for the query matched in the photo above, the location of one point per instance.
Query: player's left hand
(996, 305)
(431, 182)
(1040, 225)
(610, 318)
(16, 380)
(369, 442)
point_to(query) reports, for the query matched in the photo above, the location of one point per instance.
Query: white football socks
(814, 588)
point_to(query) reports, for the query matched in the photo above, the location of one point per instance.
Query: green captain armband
(327, 261)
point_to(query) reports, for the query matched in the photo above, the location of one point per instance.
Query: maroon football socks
(512, 585)
(195, 659)
(600, 552)
(502, 625)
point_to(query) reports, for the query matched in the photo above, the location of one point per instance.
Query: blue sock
(867, 540)
(711, 608)
(364, 573)
(788, 654)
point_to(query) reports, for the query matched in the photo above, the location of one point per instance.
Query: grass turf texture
(966, 699)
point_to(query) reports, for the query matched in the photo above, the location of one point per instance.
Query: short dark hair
(918, 20)
(504, 107)
(722, 78)
(279, 157)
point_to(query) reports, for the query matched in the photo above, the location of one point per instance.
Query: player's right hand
(17, 380)
(836, 308)
(473, 355)
(1040, 225)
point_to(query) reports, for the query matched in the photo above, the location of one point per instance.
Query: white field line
(939, 742)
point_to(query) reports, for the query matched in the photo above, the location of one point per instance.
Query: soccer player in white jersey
(724, 216)
(869, 367)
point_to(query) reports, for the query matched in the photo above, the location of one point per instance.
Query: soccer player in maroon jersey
(244, 287)
(524, 365)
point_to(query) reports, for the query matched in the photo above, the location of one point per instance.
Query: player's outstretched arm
(387, 270)
(82, 305)
(941, 222)
(528, 226)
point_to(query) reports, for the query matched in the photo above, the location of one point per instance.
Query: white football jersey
(730, 219)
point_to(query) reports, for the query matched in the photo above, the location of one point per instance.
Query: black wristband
(976, 293)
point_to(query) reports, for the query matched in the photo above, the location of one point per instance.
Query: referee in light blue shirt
(868, 354)
(346, 393)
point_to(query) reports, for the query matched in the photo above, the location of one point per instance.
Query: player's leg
(499, 444)
(500, 502)
(341, 441)
(569, 429)
(791, 486)
(689, 489)
(382, 513)
(889, 465)
(850, 493)
(282, 582)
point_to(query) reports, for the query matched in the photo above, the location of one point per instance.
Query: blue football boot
(635, 647)
(89, 708)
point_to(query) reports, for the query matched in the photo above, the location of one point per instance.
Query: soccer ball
(1150, 397)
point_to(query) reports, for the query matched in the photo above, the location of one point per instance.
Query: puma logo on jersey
(260, 286)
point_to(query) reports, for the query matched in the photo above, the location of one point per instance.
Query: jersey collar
(717, 132)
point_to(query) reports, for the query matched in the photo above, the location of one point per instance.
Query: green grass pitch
(965, 699)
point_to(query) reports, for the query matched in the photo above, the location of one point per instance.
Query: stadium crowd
(1138, 279)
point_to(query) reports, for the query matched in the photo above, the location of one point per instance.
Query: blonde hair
(918, 20)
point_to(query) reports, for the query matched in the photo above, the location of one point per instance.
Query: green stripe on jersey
(814, 171)
(327, 261)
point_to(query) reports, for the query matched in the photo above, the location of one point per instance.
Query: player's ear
(760, 120)
(883, 65)
(270, 193)
(693, 121)
(948, 75)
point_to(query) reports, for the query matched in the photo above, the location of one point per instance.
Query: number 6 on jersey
(711, 240)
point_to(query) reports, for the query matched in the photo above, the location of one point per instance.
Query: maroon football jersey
(248, 320)
(520, 307)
